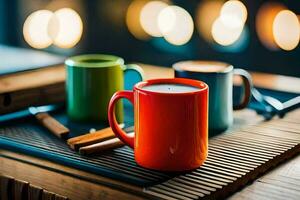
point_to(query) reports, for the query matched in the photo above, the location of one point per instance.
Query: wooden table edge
(75, 173)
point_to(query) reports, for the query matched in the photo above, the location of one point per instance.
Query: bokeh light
(166, 20)
(221, 22)
(133, 19)
(176, 25)
(239, 45)
(233, 14)
(225, 35)
(65, 28)
(35, 29)
(62, 28)
(207, 12)
(149, 15)
(264, 23)
(286, 30)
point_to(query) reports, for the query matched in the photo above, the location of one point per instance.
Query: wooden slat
(178, 191)
(186, 188)
(280, 123)
(246, 147)
(249, 145)
(233, 173)
(245, 157)
(34, 192)
(60, 197)
(243, 164)
(263, 140)
(12, 189)
(274, 133)
(212, 182)
(203, 181)
(170, 193)
(186, 181)
(214, 178)
(6, 187)
(48, 195)
(20, 190)
(245, 137)
(226, 166)
(158, 195)
(246, 150)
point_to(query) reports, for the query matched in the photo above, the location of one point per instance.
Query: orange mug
(171, 123)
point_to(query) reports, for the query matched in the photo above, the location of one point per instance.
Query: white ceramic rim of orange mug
(195, 83)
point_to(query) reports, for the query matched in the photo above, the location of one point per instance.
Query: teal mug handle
(135, 68)
(247, 82)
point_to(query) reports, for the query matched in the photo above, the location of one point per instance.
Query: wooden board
(11, 188)
(32, 88)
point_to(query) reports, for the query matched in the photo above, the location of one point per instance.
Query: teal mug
(219, 77)
(91, 80)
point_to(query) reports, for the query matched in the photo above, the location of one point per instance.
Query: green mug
(91, 80)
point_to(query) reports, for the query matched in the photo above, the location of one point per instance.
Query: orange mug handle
(128, 140)
(247, 82)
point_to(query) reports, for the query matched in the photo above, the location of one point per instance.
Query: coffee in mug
(219, 77)
(171, 123)
(170, 88)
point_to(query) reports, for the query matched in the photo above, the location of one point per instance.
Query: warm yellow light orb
(133, 19)
(35, 29)
(264, 23)
(225, 35)
(149, 15)
(65, 28)
(233, 14)
(167, 19)
(286, 30)
(207, 12)
(176, 25)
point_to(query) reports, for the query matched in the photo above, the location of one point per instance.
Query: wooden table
(281, 183)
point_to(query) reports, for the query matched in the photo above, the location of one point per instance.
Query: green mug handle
(136, 68)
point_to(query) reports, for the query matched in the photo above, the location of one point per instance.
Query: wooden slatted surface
(11, 188)
(235, 159)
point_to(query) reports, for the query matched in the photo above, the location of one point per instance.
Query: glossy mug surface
(91, 80)
(171, 123)
(219, 77)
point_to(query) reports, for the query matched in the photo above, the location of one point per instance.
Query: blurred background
(260, 35)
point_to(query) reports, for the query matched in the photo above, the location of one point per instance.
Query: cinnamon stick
(102, 146)
(52, 124)
(90, 138)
